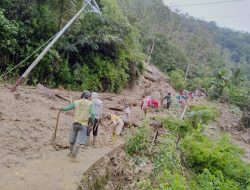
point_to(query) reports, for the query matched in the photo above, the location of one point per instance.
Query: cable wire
(26, 58)
(209, 3)
(36, 49)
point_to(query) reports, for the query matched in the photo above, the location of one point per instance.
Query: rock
(150, 78)
(156, 124)
(142, 164)
(109, 186)
(147, 169)
(246, 117)
(114, 161)
(102, 171)
(155, 94)
(128, 177)
(137, 170)
(17, 96)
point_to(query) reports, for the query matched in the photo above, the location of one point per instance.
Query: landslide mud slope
(29, 161)
(27, 122)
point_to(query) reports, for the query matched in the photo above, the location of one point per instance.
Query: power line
(209, 3)
(23, 61)
(229, 16)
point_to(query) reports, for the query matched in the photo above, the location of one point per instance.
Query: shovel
(53, 138)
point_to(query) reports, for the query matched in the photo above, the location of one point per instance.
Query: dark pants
(93, 125)
(168, 105)
(78, 134)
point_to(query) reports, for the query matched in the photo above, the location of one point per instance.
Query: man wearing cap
(78, 131)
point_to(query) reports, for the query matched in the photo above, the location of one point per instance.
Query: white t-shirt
(97, 108)
(126, 114)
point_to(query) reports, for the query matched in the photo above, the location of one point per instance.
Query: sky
(234, 14)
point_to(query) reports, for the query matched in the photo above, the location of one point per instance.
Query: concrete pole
(47, 48)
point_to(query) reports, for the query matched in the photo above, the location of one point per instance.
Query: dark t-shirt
(168, 98)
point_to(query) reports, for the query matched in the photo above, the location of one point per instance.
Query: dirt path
(53, 172)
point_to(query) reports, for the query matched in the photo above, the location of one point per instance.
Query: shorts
(119, 127)
(78, 134)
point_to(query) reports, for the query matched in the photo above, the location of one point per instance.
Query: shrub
(175, 126)
(221, 156)
(166, 156)
(170, 181)
(177, 79)
(197, 114)
(184, 158)
(208, 181)
(138, 143)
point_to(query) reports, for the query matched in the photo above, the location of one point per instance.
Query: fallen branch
(115, 108)
(183, 113)
(135, 124)
(68, 113)
(44, 90)
(20, 129)
(154, 139)
(152, 79)
(108, 97)
(244, 139)
(240, 132)
(151, 72)
(60, 96)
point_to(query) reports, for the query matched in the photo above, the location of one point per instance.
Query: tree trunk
(60, 18)
(187, 70)
(153, 45)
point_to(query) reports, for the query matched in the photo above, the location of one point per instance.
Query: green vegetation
(184, 158)
(107, 53)
(139, 143)
(96, 53)
(201, 114)
(177, 79)
(194, 53)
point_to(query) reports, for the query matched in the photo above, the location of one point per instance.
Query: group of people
(150, 103)
(182, 97)
(88, 116)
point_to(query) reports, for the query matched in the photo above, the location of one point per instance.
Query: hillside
(133, 48)
(27, 121)
(107, 53)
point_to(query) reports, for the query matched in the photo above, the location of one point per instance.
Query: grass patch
(184, 158)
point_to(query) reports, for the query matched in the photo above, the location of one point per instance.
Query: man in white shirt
(96, 115)
(126, 115)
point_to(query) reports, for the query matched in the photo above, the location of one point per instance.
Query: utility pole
(93, 6)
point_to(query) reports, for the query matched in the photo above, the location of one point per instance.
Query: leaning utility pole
(93, 6)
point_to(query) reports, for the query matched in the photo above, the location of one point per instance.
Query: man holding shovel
(78, 131)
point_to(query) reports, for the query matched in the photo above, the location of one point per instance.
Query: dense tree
(97, 52)
(106, 53)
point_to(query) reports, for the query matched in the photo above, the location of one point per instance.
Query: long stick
(53, 138)
(153, 141)
(183, 113)
(59, 34)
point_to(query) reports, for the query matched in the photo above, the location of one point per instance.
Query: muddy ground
(27, 123)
